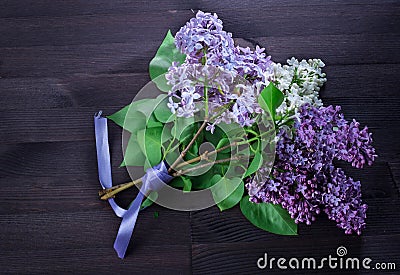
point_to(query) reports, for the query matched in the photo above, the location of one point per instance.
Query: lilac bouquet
(273, 143)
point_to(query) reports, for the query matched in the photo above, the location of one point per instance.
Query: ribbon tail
(103, 158)
(127, 226)
(154, 179)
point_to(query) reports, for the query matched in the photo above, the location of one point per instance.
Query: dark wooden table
(61, 61)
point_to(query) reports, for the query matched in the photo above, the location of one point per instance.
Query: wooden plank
(367, 109)
(241, 258)
(33, 126)
(34, 8)
(59, 61)
(38, 125)
(80, 223)
(213, 226)
(160, 259)
(82, 135)
(56, 194)
(333, 49)
(144, 26)
(74, 229)
(62, 60)
(56, 159)
(346, 81)
(74, 91)
(119, 89)
(92, 29)
(48, 8)
(40, 194)
(395, 172)
(54, 61)
(71, 124)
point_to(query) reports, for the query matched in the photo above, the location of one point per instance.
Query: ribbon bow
(153, 180)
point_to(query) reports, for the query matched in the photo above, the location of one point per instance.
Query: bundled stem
(105, 194)
(184, 152)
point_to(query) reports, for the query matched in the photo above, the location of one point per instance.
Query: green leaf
(149, 200)
(176, 182)
(150, 144)
(135, 121)
(232, 130)
(269, 217)
(147, 106)
(163, 113)
(166, 134)
(203, 181)
(153, 122)
(216, 137)
(138, 114)
(193, 151)
(119, 116)
(270, 99)
(228, 192)
(166, 54)
(223, 142)
(254, 165)
(182, 182)
(133, 155)
(187, 184)
(188, 133)
(180, 124)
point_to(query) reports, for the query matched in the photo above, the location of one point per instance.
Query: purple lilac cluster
(205, 43)
(304, 180)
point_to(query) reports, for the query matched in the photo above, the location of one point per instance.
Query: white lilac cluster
(300, 81)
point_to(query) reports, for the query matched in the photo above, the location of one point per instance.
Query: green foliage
(163, 113)
(133, 154)
(166, 54)
(222, 143)
(154, 128)
(269, 217)
(254, 165)
(226, 192)
(149, 140)
(151, 198)
(270, 99)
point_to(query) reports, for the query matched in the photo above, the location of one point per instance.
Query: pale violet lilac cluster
(304, 180)
(230, 99)
(205, 43)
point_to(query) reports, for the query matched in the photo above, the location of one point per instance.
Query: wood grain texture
(62, 61)
(100, 29)
(241, 258)
(86, 90)
(133, 57)
(59, 8)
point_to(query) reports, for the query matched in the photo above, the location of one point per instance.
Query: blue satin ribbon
(153, 180)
